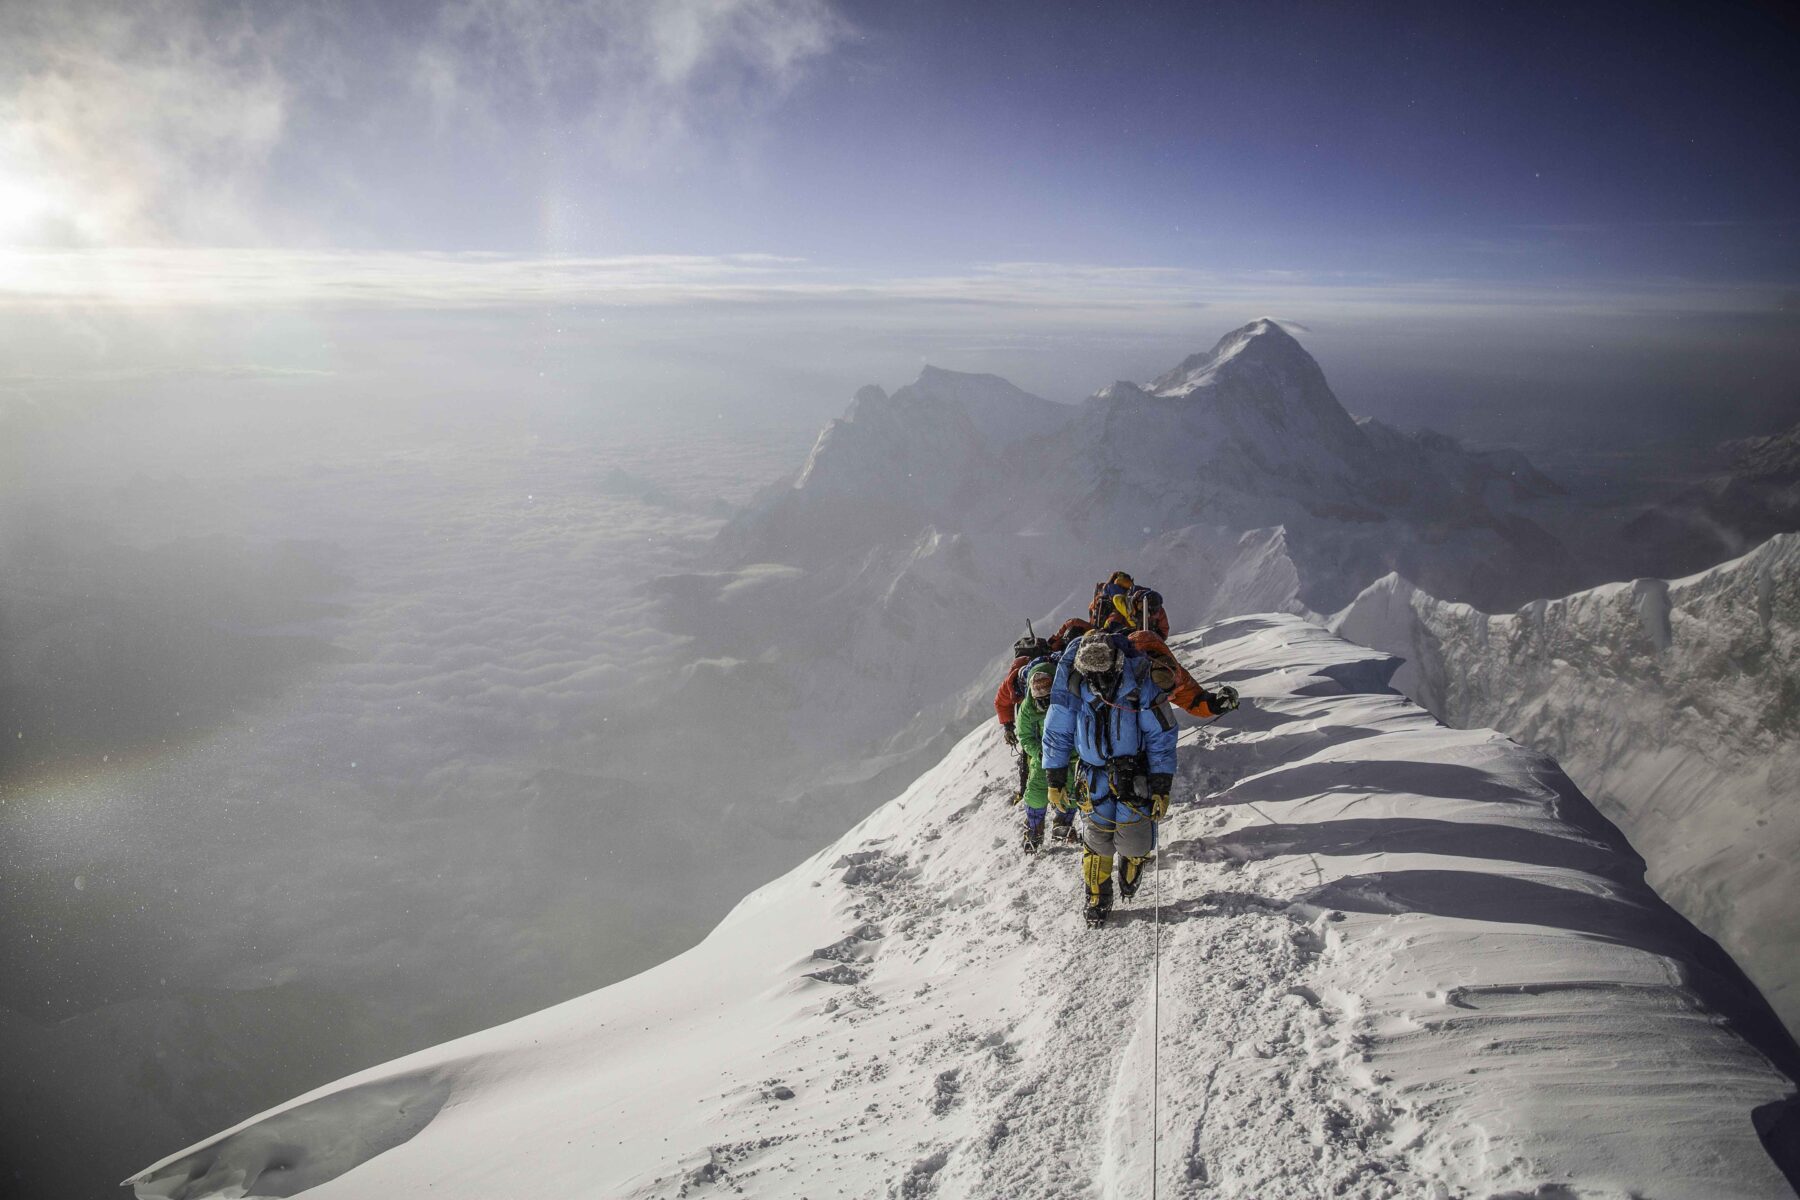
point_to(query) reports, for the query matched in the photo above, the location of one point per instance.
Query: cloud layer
(122, 123)
(428, 826)
(202, 122)
(637, 79)
(188, 277)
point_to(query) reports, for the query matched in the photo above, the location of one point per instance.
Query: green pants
(1037, 786)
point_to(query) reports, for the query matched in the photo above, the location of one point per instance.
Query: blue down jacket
(1082, 724)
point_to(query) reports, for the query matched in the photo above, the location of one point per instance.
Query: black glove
(1225, 699)
(1012, 739)
(1058, 777)
(1160, 786)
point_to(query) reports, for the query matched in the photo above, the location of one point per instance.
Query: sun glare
(22, 205)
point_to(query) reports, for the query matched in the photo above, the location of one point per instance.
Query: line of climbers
(1096, 696)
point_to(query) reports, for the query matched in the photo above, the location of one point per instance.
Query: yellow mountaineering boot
(1130, 871)
(1096, 872)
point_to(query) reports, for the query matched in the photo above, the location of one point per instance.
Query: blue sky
(1501, 140)
(1006, 174)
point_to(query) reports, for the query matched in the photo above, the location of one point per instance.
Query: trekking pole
(1029, 631)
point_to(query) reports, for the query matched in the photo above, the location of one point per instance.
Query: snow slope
(1675, 705)
(1396, 959)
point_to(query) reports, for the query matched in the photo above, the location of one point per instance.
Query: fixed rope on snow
(1156, 1024)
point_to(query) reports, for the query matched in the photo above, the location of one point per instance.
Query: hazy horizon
(763, 204)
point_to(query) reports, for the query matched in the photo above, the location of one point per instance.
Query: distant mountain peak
(1774, 457)
(870, 398)
(916, 446)
(934, 374)
(1248, 436)
(962, 385)
(1000, 411)
(1263, 342)
(1262, 327)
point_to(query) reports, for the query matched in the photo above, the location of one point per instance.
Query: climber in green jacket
(1030, 724)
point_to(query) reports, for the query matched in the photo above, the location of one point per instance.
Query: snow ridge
(1398, 960)
(1672, 703)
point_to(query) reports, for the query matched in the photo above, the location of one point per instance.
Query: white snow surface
(1396, 959)
(1675, 705)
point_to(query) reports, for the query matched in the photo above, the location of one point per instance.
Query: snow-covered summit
(1245, 436)
(1262, 384)
(1262, 342)
(1390, 959)
(1250, 435)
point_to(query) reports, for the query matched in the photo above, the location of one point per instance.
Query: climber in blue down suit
(1108, 719)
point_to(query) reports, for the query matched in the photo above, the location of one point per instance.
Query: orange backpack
(1167, 673)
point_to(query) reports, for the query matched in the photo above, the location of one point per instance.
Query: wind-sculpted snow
(307, 1144)
(1675, 705)
(1396, 960)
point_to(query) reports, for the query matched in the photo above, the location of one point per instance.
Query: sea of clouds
(312, 758)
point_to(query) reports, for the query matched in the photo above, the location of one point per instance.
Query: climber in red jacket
(1026, 651)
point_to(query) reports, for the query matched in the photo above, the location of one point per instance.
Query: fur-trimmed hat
(1096, 655)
